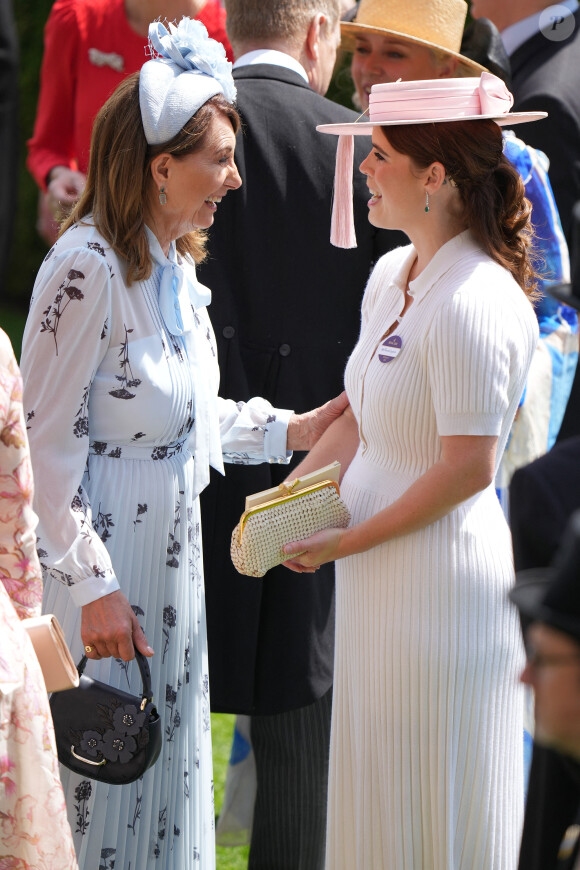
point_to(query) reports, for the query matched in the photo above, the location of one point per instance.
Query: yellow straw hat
(436, 24)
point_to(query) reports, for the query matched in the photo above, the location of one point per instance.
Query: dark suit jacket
(546, 76)
(543, 495)
(286, 312)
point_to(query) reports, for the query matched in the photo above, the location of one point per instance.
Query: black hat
(482, 42)
(552, 595)
(569, 294)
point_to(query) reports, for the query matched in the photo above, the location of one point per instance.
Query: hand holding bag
(290, 512)
(105, 733)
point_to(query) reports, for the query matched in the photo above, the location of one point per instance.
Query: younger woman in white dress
(426, 756)
(120, 389)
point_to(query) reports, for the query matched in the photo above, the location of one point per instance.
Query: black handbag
(105, 733)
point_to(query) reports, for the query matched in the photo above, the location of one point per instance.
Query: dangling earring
(426, 202)
(162, 196)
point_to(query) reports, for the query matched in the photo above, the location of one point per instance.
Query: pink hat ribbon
(438, 99)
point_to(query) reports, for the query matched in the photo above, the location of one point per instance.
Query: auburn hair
(492, 196)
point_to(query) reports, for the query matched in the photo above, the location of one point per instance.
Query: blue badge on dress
(390, 348)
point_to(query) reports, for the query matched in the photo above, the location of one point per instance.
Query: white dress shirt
(270, 55)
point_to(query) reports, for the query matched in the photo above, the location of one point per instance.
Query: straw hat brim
(350, 30)
(364, 128)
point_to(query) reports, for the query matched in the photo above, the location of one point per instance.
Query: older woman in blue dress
(121, 383)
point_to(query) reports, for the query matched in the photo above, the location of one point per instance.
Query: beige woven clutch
(290, 512)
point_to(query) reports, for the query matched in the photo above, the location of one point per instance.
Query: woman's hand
(319, 548)
(63, 190)
(304, 430)
(110, 627)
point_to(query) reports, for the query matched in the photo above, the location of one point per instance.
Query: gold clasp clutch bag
(290, 512)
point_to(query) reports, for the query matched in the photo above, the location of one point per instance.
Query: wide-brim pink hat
(436, 101)
(429, 101)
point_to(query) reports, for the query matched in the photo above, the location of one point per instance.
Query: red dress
(89, 48)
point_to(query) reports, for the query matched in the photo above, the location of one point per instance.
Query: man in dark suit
(286, 312)
(543, 44)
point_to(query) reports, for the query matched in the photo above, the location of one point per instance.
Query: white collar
(518, 33)
(447, 256)
(276, 58)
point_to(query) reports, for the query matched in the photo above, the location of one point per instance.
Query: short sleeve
(469, 365)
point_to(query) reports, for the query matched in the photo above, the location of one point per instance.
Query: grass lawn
(222, 726)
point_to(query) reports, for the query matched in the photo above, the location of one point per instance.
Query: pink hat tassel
(342, 233)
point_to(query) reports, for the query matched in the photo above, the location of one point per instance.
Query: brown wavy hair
(119, 177)
(492, 193)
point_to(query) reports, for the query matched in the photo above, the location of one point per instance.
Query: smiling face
(378, 59)
(396, 185)
(194, 184)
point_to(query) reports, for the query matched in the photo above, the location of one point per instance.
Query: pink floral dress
(34, 831)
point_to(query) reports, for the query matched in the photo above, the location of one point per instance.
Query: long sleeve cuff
(93, 588)
(276, 437)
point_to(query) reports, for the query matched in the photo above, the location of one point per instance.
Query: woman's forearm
(465, 468)
(339, 442)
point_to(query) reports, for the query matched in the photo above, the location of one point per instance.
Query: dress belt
(155, 452)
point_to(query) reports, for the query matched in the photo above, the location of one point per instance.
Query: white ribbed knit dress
(426, 747)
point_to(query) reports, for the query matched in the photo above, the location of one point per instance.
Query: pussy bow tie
(179, 295)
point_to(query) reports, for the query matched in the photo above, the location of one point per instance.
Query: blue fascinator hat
(189, 68)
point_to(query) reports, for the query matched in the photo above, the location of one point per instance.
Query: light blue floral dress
(120, 392)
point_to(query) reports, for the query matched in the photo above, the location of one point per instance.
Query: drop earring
(426, 202)
(162, 196)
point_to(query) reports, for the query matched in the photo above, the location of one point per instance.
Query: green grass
(222, 729)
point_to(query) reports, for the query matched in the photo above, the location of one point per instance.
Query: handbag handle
(144, 670)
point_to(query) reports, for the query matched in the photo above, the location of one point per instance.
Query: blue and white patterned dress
(123, 420)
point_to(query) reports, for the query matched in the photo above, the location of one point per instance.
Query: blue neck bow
(180, 293)
(179, 296)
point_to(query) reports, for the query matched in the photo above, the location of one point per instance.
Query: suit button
(228, 332)
(284, 350)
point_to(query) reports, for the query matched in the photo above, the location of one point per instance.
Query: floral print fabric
(115, 415)
(34, 831)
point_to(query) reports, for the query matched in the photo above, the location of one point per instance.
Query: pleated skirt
(426, 742)
(152, 531)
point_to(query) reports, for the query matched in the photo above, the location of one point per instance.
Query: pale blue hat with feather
(187, 69)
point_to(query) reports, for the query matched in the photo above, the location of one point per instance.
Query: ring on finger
(89, 648)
